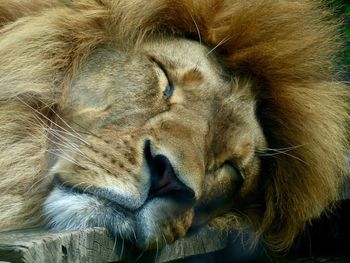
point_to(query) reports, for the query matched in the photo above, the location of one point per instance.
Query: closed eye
(169, 89)
(233, 169)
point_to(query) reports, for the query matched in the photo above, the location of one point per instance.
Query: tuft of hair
(289, 47)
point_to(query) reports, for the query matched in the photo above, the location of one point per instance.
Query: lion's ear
(306, 124)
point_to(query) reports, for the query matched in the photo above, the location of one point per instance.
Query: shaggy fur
(288, 47)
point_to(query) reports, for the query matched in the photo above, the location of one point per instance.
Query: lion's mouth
(69, 207)
(103, 195)
(164, 183)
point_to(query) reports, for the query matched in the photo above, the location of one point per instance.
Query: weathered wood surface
(89, 245)
(206, 241)
(95, 245)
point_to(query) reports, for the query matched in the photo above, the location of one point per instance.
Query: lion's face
(156, 140)
(150, 135)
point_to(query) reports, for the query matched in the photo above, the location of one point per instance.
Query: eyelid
(234, 167)
(162, 67)
(168, 92)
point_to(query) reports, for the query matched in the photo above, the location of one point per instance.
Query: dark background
(342, 9)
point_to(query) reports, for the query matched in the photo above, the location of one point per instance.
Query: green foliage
(342, 7)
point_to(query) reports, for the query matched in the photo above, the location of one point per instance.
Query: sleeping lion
(154, 118)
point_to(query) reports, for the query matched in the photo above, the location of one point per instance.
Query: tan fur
(285, 51)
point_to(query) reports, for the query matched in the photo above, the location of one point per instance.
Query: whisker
(85, 190)
(197, 28)
(241, 214)
(140, 256)
(65, 141)
(58, 132)
(277, 151)
(122, 251)
(45, 117)
(86, 131)
(134, 234)
(66, 146)
(283, 152)
(113, 248)
(39, 181)
(157, 251)
(72, 147)
(69, 126)
(59, 117)
(164, 238)
(71, 135)
(287, 148)
(65, 152)
(93, 162)
(66, 157)
(75, 186)
(223, 41)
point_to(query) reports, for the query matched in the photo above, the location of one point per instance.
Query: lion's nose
(164, 181)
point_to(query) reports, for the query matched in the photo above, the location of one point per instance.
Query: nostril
(162, 172)
(162, 168)
(164, 182)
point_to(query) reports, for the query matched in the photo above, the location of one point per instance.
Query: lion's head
(151, 120)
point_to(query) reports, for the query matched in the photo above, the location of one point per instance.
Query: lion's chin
(65, 210)
(152, 226)
(163, 222)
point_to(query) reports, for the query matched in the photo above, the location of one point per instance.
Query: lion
(154, 119)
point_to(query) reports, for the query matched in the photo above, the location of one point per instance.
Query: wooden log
(206, 241)
(36, 245)
(95, 245)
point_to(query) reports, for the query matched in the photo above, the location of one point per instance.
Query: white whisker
(122, 251)
(113, 248)
(46, 118)
(223, 41)
(197, 28)
(282, 151)
(64, 140)
(69, 134)
(57, 115)
(156, 258)
(65, 156)
(70, 127)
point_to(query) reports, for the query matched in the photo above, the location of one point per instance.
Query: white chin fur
(66, 210)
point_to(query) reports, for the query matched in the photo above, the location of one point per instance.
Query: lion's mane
(289, 47)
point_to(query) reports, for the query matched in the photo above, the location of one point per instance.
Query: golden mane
(289, 47)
